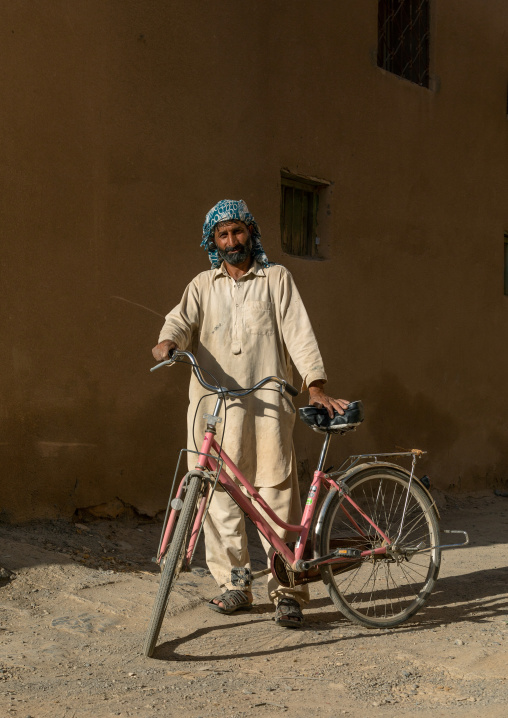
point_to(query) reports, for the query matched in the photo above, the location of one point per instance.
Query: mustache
(235, 248)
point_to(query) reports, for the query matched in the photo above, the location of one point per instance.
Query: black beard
(231, 257)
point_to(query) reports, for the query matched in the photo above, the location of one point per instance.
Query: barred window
(299, 204)
(403, 39)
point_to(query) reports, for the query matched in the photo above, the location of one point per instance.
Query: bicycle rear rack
(448, 545)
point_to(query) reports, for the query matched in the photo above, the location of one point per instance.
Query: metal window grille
(403, 39)
(299, 204)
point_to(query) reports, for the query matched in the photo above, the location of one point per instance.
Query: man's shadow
(476, 597)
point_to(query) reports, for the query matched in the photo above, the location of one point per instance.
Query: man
(244, 320)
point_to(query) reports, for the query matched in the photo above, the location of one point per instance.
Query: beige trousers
(226, 540)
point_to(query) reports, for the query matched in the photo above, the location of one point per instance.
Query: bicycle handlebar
(178, 355)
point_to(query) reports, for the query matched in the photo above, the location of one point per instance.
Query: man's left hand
(317, 397)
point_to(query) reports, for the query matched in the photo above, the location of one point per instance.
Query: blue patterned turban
(231, 209)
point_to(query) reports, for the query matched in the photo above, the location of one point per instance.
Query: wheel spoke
(383, 589)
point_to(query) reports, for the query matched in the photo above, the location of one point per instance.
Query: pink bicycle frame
(207, 462)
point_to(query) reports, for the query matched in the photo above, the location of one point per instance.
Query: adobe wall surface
(123, 122)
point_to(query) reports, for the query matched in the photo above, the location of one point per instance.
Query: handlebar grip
(158, 366)
(291, 390)
(165, 362)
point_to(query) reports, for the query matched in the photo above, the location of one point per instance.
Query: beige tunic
(242, 331)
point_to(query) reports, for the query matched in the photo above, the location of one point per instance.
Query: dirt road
(73, 618)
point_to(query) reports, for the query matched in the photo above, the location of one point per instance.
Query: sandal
(288, 613)
(233, 601)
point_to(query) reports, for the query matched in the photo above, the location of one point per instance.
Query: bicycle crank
(338, 553)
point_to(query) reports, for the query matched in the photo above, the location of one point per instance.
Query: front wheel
(383, 590)
(172, 562)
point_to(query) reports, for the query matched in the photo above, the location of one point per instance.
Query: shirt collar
(255, 268)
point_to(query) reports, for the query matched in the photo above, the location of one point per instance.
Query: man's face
(233, 241)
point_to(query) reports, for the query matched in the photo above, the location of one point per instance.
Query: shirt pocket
(259, 318)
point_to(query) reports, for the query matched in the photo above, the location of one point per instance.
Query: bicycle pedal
(348, 553)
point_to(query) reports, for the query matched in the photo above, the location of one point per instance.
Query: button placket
(236, 346)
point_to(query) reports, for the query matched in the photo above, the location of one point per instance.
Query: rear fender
(347, 477)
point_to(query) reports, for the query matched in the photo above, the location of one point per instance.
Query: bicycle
(375, 542)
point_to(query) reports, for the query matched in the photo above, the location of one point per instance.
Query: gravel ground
(74, 613)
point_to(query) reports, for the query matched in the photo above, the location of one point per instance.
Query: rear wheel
(173, 561)
(384, 590)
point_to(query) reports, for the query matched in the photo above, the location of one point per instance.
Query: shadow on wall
(496, 476)
(399, 418)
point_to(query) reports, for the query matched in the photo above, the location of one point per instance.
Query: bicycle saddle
(319, 420)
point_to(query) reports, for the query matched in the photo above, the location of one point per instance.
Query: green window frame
(299, 206)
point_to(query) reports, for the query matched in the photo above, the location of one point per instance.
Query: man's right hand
(162, 350)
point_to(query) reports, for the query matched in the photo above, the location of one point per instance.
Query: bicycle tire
(172, 562)
(381, 592)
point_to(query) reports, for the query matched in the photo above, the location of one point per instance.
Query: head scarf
(230, 209)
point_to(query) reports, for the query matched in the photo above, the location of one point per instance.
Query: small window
(299, 205)
(403, 39)
(506, 263)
